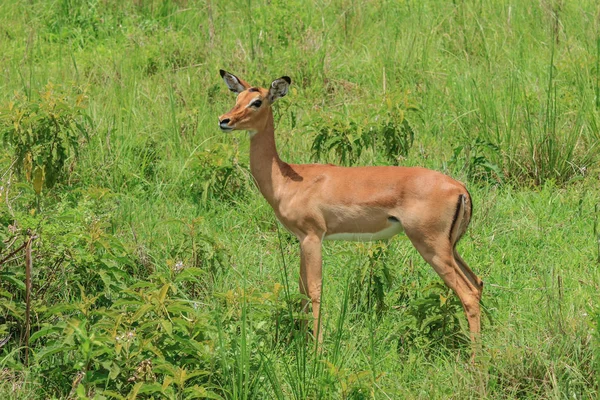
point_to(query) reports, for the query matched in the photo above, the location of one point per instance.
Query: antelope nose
(224, 124)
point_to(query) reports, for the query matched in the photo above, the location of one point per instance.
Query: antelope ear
(279, 88)
(235, 84)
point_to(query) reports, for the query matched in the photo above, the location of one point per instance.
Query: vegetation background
(158, 271)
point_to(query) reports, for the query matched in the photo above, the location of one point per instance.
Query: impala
(319, 202)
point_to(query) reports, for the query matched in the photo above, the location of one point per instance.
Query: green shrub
(148, 340)
(434, 318)
(44, 133)
(474, 159)
(218, 175)
(371, 281)
(102, 321)
(388, 132)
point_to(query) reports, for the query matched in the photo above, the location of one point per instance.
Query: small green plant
(342, 135)
(436, 318)
(396, 133)
(194, 257)
(474, 158)
(45, 132)
(371, 281)
(217, 174)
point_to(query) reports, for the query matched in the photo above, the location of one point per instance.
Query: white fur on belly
(392, 230)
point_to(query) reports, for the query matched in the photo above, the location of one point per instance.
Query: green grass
(144, 237)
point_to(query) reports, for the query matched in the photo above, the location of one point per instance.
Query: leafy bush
(218, 175)
(102, 322)
(371, 281)
(436, 317)
(45, 132)
(389, 133)
(474, 158)
(148, 340)
(431, 316)
(395, 135)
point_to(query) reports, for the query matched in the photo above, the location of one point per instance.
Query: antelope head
(253, 105)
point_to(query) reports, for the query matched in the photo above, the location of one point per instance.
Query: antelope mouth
(224, 127)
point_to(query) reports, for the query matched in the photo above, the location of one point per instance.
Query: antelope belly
(392, 230)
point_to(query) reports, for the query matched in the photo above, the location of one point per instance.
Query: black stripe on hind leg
(455, 219)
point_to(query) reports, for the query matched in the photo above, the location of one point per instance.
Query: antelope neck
(265, 164)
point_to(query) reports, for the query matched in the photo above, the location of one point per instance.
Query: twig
(28, 268)
(9, 168)
(13, 253)
(7, 190)
(11, 242)
(42, 289)
(5, 340)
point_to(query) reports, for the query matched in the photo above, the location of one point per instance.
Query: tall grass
(160, 270)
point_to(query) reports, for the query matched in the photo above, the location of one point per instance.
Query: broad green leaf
(44, 331)
(182, 308)
(134, 391)
(38, 179)
(163, 292)
(167, 382)
(148, 388)
(113, 394)
(166, 324)
(195, 392)
(54, 349)
(80, 391)
(11, 277)
(141, 311)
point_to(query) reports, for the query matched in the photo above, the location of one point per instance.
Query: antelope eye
(256, 103)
